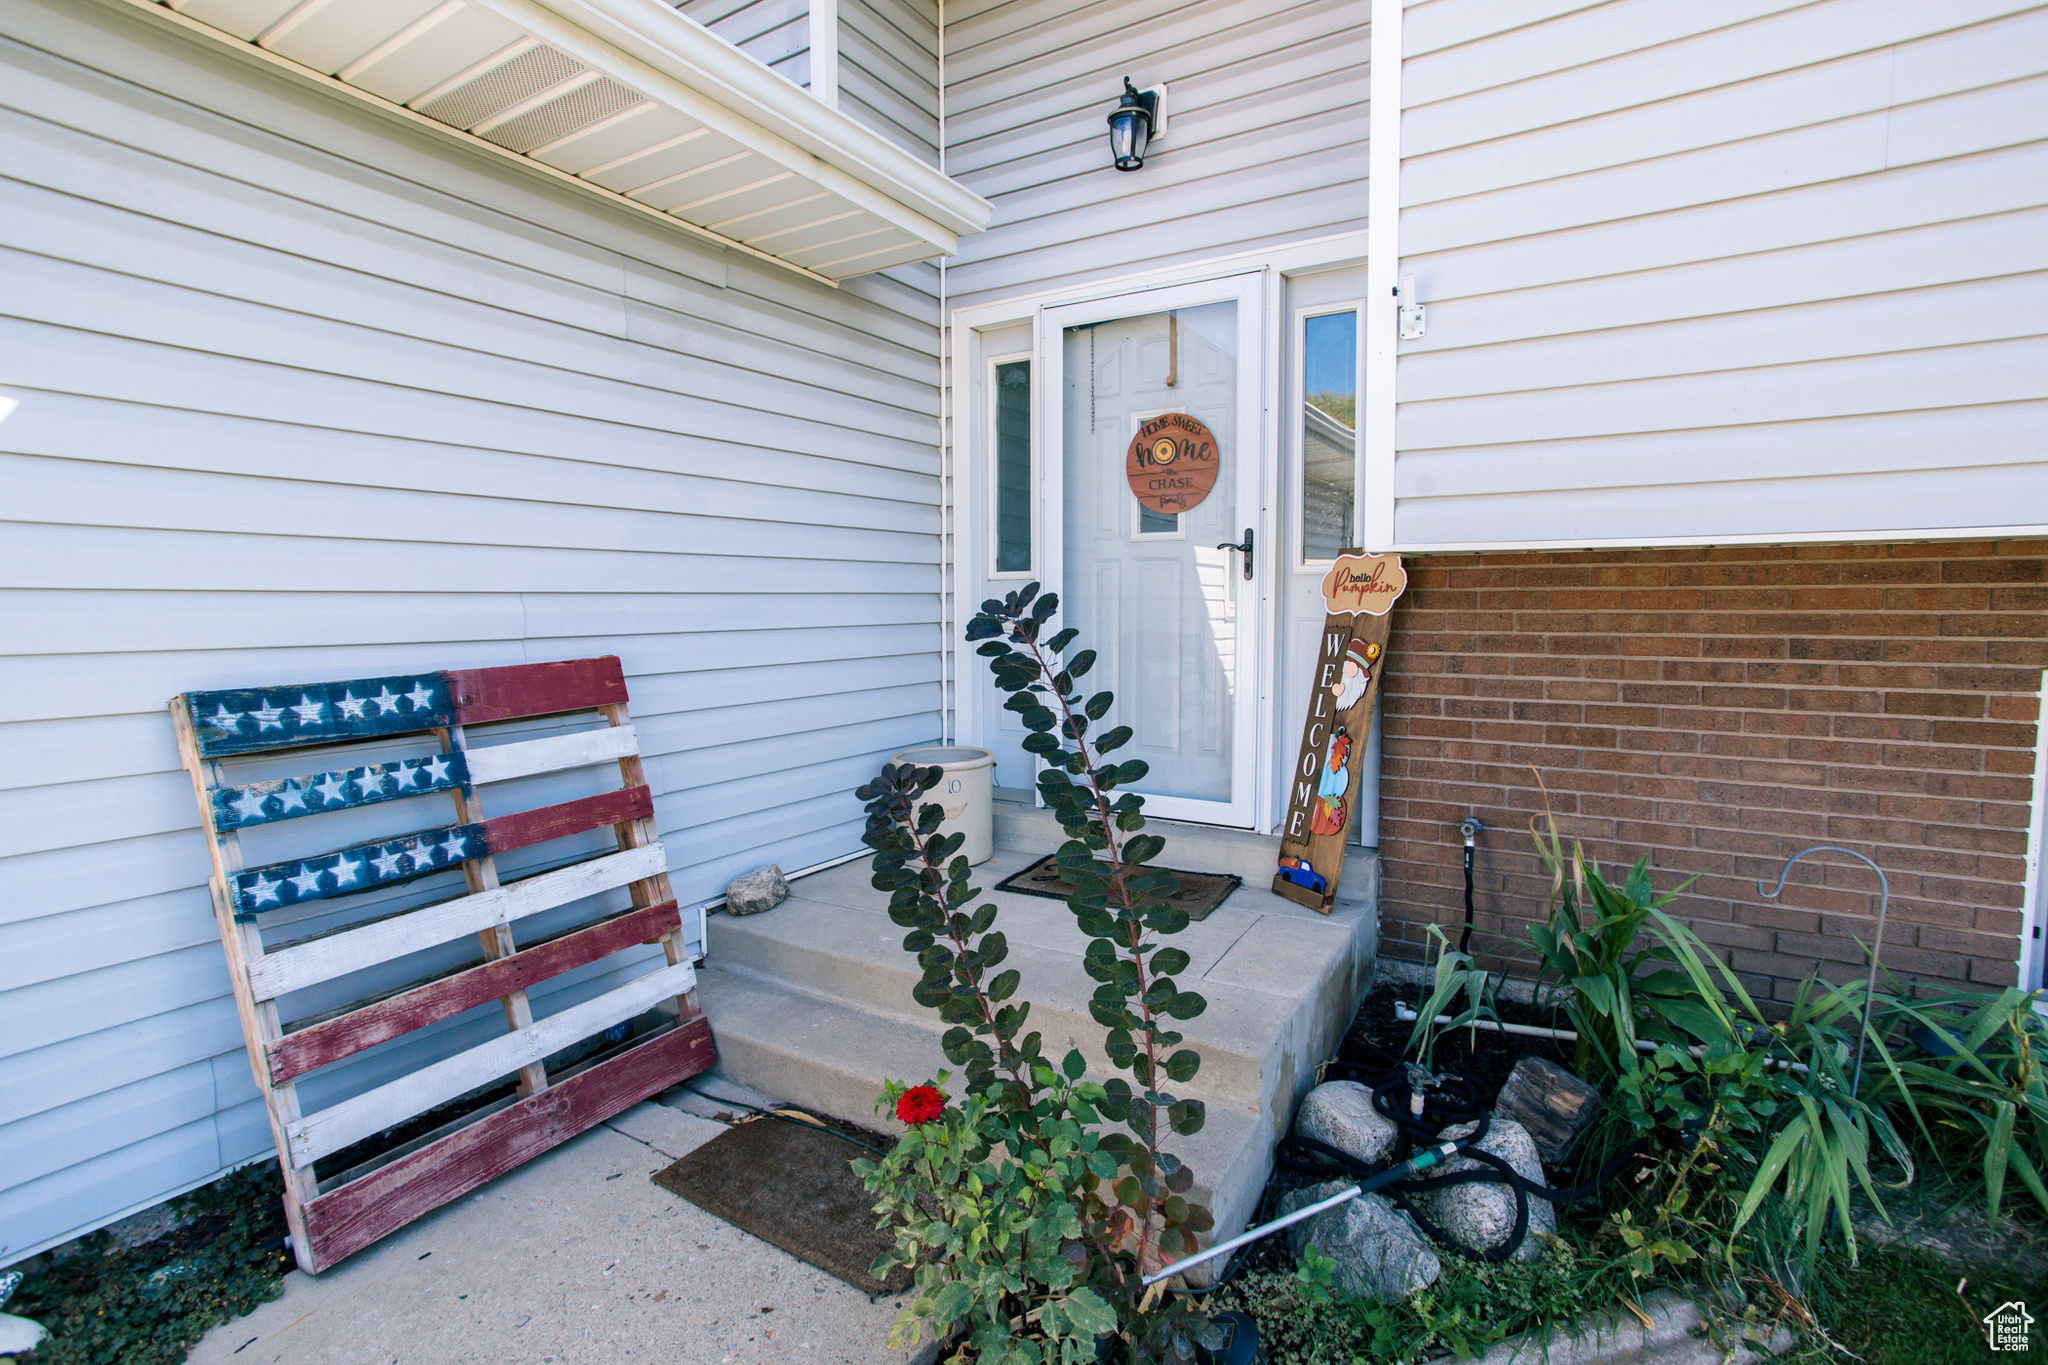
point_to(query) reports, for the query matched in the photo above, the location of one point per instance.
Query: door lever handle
(1244, 549)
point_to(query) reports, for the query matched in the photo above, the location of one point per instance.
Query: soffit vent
(525, 76)
(559, 117)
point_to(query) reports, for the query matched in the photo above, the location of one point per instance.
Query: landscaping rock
(761, 889)
(1341, 1114)
(1380, 1253)
(1551, 1103)
(1482, 1215)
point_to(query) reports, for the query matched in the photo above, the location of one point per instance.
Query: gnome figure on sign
(1357, 675)
(1332, 813)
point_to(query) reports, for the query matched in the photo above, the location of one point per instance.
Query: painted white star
(307, 879)
(368, 780)
(330, 789)
(387, 862)
(224, 719)
(406, 775)
(345, 870)
(421, 696)
(387, 702)
(422, 855)
(437, 769)
(291, 797)
(261, 889)
(452, 846)
(351, 706)
(249, 805)
(309, 710)
(268, 717)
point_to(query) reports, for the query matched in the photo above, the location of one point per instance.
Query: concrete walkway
(576, 1258)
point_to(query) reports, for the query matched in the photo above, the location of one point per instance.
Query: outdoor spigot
(1470, 829)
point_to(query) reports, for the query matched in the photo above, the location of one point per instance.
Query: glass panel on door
(1149, 574)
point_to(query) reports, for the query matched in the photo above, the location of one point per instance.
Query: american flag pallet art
(345, 890)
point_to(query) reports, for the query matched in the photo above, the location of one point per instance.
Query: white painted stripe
(323, 959)
(333, 1128)
(501, 762)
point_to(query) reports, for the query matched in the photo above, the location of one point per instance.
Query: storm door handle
(1244, 549)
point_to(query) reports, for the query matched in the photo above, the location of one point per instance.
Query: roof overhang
(629, 100)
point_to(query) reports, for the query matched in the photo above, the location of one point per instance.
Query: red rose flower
(920, 1104)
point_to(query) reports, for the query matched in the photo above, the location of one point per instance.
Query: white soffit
(632, 100)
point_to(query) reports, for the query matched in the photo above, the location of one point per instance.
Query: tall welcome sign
(1360, 591)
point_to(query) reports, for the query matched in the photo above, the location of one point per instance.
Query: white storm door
(1161, 597)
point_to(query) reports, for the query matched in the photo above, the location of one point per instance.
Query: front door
(1152, 490)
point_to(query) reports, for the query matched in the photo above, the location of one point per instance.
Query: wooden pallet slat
(351, 950)
(255, 719)
(387, 862)
(531, 757)
(332, 1217)
(331, 1040)
(289, 798)
(329, 1130)
(342, 1222)
(513, 693)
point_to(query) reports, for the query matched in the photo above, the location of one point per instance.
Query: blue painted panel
(263, 803)
(248, 720)
(354, 869)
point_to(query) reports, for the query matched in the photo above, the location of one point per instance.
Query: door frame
(963, 715)
(1248, 291)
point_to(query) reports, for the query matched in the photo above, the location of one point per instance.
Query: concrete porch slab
(576, 1258)
(812, 1001)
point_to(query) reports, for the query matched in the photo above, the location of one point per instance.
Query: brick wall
(1718, 710)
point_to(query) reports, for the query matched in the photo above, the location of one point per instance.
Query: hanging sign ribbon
(1360, 591)
(1172, 462)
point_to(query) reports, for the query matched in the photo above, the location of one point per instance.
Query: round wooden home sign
(1172, 462)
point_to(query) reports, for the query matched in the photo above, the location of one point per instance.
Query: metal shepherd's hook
(1884, 896)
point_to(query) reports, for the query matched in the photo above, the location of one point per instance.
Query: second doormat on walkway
(1200, 892)
(790, 1185)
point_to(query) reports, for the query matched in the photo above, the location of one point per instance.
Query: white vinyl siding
(1265, 140)
(305, 393)
(1699, 272)
(889, 70)
(776, 33)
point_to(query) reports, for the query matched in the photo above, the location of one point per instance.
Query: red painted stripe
(333, 1039)
(485, 694)
(506, 832)
(346, 1220)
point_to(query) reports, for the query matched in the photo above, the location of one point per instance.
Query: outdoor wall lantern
(1137, 121)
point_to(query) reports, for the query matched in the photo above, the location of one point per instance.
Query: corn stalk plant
(1590, 946)
(1972, 1076)
(1453, 976)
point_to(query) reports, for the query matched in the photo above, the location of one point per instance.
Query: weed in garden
(149, 1305)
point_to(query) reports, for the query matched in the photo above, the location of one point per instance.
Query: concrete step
(832, 1057)
(1276, 976)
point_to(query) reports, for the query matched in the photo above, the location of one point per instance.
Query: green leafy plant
(1973, 1084)
(151, 1304)
(1589, 944)
(1454, 976)
(980, 1195)
(1126, 1193)
(1787, 1085)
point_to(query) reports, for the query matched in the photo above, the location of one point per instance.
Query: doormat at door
(792, 1186)
(1200, 892)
